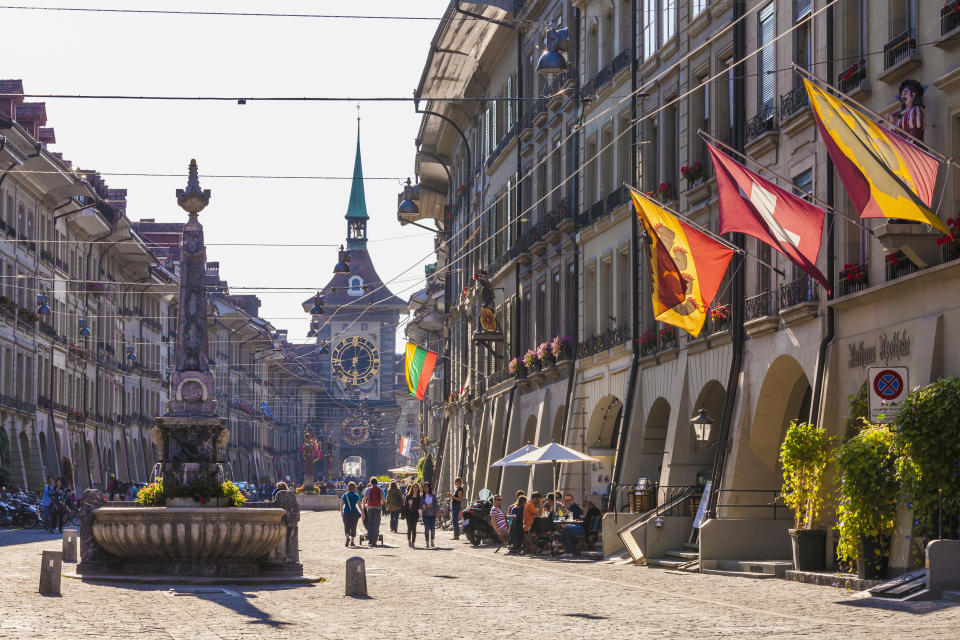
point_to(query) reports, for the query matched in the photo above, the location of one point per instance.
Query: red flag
(755, 206)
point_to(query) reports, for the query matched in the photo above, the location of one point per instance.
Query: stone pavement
(454, 591)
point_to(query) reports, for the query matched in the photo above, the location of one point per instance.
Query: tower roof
(357, 208)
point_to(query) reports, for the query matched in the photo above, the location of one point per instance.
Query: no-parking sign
(888, 388)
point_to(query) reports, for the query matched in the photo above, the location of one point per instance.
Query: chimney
(118, 199)
(47, 136)
(8, 103)
(31, 116)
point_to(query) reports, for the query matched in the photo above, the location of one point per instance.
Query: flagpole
(883, 121)
(725, 243)
(720, 143)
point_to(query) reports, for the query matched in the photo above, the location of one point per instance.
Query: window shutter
(768, 55)
(510, 96)
(802, 9)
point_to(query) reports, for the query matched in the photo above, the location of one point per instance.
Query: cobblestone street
(455, 591)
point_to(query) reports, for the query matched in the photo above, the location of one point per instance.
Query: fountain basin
(188, 533)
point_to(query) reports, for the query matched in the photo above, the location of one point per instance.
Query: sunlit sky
(104, 53)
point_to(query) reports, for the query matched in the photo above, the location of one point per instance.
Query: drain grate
(202, 591)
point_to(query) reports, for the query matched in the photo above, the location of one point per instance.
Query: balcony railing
(854, 277)
(604, 341)
(793, 102)
(798, 292)
(899, 48)
(759, 306)
(617, 197)
(852, 77)
(761, 123)
(949, 17)
(899, 265)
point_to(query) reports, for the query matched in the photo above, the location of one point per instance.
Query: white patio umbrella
(509, 460)
(554, 453)
(403, 470)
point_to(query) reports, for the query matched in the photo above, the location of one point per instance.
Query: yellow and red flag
(686, 266)
(885, 175)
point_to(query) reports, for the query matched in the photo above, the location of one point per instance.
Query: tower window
(356, 286)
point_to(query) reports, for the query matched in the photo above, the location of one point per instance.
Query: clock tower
(352, 361)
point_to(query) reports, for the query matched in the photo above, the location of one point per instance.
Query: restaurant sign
(886, 348)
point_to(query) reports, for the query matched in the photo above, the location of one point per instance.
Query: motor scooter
(475, 522)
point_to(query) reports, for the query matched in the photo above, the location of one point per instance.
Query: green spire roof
(357, 209)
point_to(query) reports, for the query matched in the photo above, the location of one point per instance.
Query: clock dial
(355, 360)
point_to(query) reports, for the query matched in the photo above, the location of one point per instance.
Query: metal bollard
(50, 573)
(356, 577)
(69, 545)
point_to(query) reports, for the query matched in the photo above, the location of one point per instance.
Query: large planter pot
(194, 502)
(809, 549)
(874, 557)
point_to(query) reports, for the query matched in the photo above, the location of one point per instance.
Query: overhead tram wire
(529, 173)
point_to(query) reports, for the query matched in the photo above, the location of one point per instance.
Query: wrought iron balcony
(949, 17)
(604, 341)
(793, 102)
(798, 292)
(852, 77)
(616, 198)
(899, 265)
(899, 48)
(759, 306)
(761, 123)
(853, 277)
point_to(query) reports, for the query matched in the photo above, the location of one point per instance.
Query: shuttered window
(768, 55)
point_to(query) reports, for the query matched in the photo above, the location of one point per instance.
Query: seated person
(549, 506)
(571, 531)
(532, 510)
(572, 507)
(498, 519)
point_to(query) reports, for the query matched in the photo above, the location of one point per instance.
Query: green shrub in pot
(804, 456)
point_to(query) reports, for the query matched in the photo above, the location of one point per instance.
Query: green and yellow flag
(419, 366)
(885, 175)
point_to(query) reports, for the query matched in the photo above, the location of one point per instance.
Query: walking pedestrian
(46, 501)
(411, 513)
(373, 503)
(58, 506)
(428, 509)
(350, 513)
(456, 503)
(394, 504)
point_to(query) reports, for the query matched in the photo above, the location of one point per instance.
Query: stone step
(686, 554)
(666, 563)
(750, 568)
(951, 595)
(692, 545)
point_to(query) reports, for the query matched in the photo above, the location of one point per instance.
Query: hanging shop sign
(888, 388)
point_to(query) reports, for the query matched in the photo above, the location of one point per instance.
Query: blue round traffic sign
(888, 384)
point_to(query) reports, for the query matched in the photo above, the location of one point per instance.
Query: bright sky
(103, 53)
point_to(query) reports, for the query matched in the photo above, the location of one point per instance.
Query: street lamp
(702, 426)
(551, 60)
(317, 308)
(42, 306)
(408, 206)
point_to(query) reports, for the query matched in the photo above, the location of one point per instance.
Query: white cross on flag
(752, 205)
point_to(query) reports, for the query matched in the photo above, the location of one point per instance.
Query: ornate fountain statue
(196, 533)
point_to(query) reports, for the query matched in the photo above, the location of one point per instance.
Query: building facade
(644, 78)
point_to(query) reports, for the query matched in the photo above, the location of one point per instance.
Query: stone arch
(654, 440)
(530, 431)
(699, 457)
(44, 453)
(557, 432)
(784, 396)
(604, 423)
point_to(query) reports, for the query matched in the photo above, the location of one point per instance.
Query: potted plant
(720, 316)
(869, 491)
(518, 368)
(562, 346)
(693, 174)
(545, 353)
(531, 360)
(804, 456)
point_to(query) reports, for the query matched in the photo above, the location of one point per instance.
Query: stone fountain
(196, 541)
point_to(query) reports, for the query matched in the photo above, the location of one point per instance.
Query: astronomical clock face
(355, 360)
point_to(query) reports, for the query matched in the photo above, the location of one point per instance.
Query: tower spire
(357, 208)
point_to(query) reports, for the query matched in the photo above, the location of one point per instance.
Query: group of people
(411, 503)
(554, 505)
(54, 503)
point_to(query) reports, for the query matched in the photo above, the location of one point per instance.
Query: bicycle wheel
(30, 520)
